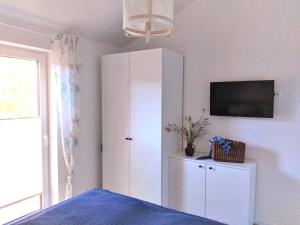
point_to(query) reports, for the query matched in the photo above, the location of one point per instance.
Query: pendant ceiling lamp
(148, 18)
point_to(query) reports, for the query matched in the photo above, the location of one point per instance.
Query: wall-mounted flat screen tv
(242, 98)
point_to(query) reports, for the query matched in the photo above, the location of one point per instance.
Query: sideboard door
(187, 186)
(228, 194)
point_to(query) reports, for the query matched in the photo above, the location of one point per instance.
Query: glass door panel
(22, 169)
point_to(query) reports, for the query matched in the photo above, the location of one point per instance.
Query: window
(18, 88)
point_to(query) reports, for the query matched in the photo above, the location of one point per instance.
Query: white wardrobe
(142, 92)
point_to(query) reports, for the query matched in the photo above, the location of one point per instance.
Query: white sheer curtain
(66, 69)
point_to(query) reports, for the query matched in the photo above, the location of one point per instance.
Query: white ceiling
(99, 20)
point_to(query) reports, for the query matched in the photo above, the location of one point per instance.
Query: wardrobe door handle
(128, 139)
(200, 166)
(211, 168)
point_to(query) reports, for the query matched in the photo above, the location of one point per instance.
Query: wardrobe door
(115, 122)
(145, 124)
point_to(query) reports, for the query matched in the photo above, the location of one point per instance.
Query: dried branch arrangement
(193, 131)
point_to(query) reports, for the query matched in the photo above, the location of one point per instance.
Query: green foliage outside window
(19, 88)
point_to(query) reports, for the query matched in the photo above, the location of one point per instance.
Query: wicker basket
(235, 155)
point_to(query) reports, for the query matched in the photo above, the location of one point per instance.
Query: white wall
(20, 37)
(88, 161)
(247, 40)
(87, 157)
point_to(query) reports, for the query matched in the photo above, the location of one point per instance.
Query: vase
(190, 150)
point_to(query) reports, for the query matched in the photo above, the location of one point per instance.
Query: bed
(101, 207)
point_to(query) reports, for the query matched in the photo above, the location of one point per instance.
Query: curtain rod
(26, 29)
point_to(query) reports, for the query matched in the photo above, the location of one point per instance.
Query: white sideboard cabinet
(224, 192)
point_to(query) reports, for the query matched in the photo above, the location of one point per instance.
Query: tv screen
(242, 98)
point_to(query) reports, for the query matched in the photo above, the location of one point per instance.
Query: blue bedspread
(99, 207)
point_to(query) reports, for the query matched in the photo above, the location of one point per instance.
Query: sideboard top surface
(247, 165)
